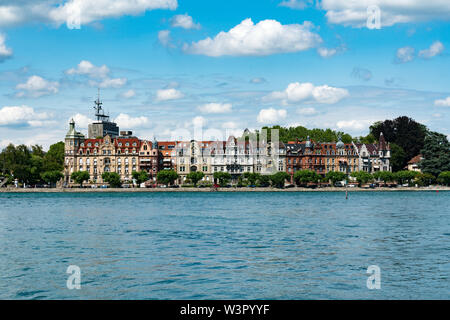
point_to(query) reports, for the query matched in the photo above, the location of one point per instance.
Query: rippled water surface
(225, 245)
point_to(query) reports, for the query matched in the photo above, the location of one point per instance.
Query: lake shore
(232, 189)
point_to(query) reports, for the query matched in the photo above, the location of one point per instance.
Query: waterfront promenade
(231, 189)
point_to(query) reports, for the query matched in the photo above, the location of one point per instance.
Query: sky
(165, 68)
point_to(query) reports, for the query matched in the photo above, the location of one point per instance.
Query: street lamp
(341, 147)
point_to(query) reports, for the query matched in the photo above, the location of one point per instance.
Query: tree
(444, 178)
(362, 177)
(112, 178)
(385, 176)
(278, 179)
(405, 176)
(436, 154)
(425, 179)
(263, 181)
(252, 177)
(223, 177)
(52, 177)
(167, 177)
(302, 177)
(79, 177)
(398, 157)
(403, 131)
(140, 177)
(54, 158)
(195, 177)
(335, 176)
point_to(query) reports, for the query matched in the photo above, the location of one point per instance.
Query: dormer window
(127, 144)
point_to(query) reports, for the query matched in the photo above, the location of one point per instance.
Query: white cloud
(361, 74)
(307, 111)
(59, 11)
(442, 102)
(215, 108)
(164, 38)
(124, 120)
(229, 125)
(81, 121)
(405, 54)
(168, 94)
(258, 80)
(5, 52)
(199, 121)
(128, 94)
(88, 69)
(109, 83)
(354, 12)
(295, 4)
(36, 87)
(271, 115)
(354, 125)
(326, 53)
(296, 92)
(21, 115)
(436, 48)
(264, 38)
(184, 21)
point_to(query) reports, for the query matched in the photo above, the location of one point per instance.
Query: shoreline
(244, 189)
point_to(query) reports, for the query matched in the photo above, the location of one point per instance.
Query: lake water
(305, 245)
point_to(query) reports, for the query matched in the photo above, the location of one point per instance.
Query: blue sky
(166, 65)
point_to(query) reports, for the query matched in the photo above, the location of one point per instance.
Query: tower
(72, 142)
(102, 126)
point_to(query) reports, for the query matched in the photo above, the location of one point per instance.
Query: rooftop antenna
(100, 114)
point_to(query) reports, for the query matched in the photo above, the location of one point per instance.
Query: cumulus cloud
(442, 102)
(88, 69)
(215, 108)
(168, 94)
(124, 120)
(354, 125)
(326, 53)
(354, 12)
(297, 92)
(164, 38)
(435, 49)
(307, 111)
(5, 52)
(271, 115)
(199, 121)
(296, 4)
(57, 12)
(36, 86)
(405, 54)
(128, 94)
(184, 21)
(20, 116)
(264, 38)
(81, 121)
(229, 125)
(109, 83)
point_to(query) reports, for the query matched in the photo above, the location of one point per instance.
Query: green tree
(362, 177)
(195, 177)
(436, 154)
(278, 179)
(303, 177)
(398, 157)
(385, 176)
(223, 178)
(405, 176)
(79, 177)
(335, 176)
(52, 177)
(167, 177)
(425, 179)
(252, 177)
(112, 178)
(403, 131)
(444, 178)
(54, 158)
(263, 181)
(140, 177)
